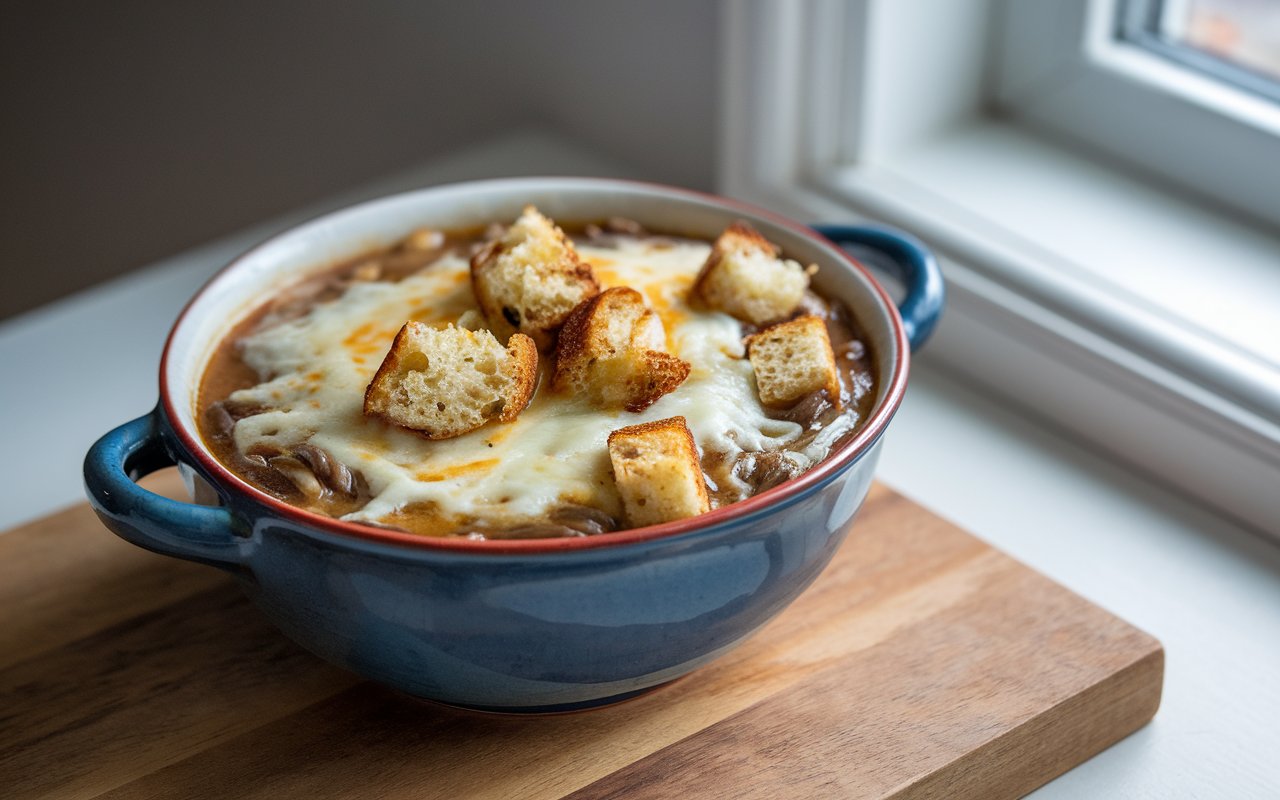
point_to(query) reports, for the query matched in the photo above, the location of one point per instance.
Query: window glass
(1244, 32)
(1236, 41)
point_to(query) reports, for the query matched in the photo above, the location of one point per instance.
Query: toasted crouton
(530, 278)
(793, 359)
(745, 277)
(657, 471)
(444, 382)
(612, 348)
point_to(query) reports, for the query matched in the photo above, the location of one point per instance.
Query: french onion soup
(519, 381)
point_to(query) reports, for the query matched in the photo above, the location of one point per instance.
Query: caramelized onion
(332, 473)
(765, 470)
(584, 519)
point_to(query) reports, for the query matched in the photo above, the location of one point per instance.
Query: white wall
(137, 128)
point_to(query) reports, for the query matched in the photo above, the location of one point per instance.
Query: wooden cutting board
(922, 664)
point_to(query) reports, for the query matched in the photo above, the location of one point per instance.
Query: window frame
(819, 101)
(1137, 21)
(1065, 67)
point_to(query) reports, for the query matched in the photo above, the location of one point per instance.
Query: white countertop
(1207, 589)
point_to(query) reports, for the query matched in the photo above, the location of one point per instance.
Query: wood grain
(62, 579)
(922, 664)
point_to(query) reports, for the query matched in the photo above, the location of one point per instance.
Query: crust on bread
(611, 349)
(530, 278)
(657, 472)
(745, 277)
(524, 376)
(442, 383)
(792, 360)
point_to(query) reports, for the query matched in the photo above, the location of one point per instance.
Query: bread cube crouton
(745, 277)
(658, 473)
(444, 382)
(530, 278)
(793, 359)
(613, 349)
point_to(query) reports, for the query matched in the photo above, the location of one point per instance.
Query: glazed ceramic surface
(527, 625)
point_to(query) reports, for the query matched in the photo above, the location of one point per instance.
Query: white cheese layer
(555, 452)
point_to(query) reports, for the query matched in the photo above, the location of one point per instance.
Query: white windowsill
(1128, 315)
(998, 185)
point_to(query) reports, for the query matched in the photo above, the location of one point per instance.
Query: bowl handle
(198, 533)
(912, 262)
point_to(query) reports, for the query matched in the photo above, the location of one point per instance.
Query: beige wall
(136, 128)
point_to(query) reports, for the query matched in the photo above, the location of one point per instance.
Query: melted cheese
(555, 452)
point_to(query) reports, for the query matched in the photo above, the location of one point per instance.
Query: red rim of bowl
(834, 462)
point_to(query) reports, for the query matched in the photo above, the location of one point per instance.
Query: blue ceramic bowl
(525, 626)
